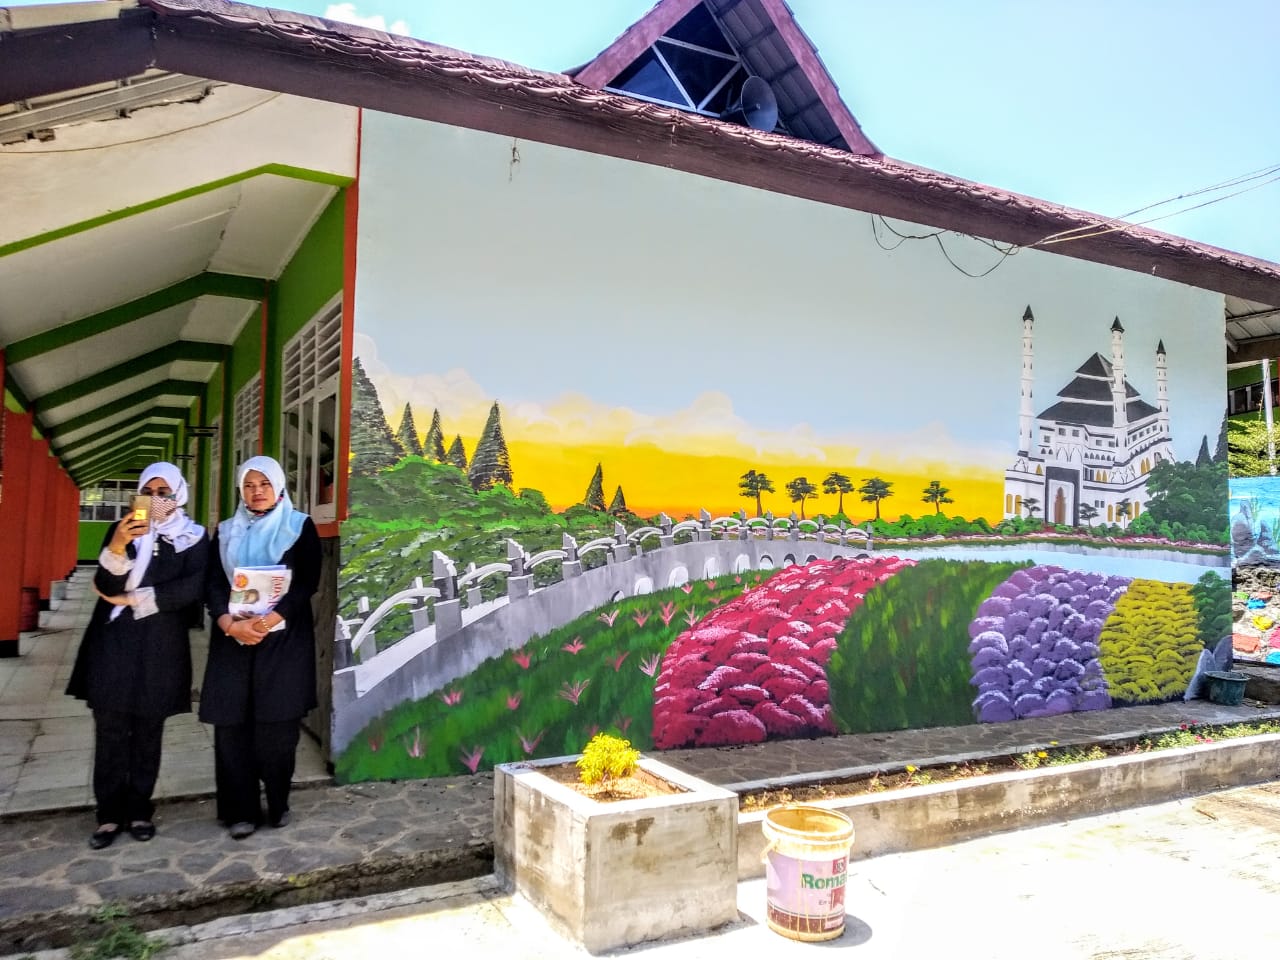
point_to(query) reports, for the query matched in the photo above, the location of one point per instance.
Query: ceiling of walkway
(145, 218)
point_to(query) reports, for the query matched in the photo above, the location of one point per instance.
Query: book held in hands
(255, 591)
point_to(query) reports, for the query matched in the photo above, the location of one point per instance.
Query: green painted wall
(307, 283)
(310, 280)
(92, 533)
(1243, 376)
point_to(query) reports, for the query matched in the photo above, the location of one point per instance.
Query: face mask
(162, 508)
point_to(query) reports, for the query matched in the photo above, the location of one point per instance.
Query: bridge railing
(441, 604)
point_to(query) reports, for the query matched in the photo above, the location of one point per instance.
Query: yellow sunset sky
(691, 458)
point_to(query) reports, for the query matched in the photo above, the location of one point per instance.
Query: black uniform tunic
(255, 695)
(136, 672)
(275, 679)
(142, 667)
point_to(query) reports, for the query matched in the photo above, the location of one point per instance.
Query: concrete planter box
(618, 873)
(917, 818)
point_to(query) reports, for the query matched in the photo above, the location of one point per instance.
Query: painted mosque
(1085, 459)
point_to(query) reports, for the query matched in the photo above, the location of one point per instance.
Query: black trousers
(246, 754)
(126, 762)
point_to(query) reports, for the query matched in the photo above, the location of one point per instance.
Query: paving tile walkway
(46, 737)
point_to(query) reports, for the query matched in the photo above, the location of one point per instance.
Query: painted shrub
(755, 668)
(902, 659)
(1035, 644)
(1150, 645)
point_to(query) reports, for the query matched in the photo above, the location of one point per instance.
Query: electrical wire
(1225, 184)
(1142, 223)
(1086, 231)
(936, 235)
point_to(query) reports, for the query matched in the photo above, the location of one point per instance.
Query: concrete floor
(1191, 880)
(46, 737)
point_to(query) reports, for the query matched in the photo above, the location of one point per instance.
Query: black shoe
(282, 820)
(100, 839)
(241, 830)
(142, 830)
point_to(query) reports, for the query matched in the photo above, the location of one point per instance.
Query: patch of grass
(1191, 734)
(119, 938)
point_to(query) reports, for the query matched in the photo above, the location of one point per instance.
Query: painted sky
(611, 305)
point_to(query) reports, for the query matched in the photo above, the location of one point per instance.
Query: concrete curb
(387, 875)
(934, 815)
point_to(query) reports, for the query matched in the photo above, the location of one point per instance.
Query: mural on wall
(602, 478)
(1255, 558)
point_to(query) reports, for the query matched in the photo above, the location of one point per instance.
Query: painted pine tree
(408, 433)
(457, 454)
(1203, 457)
(373, 446)
(595, 490)
(619, 503)
(490, 462)
(433, 442)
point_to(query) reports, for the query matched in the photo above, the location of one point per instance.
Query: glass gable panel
(698, 26)
(697, 72)
(647, 77)
(727, 96)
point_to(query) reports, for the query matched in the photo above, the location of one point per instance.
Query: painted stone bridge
(450, 639)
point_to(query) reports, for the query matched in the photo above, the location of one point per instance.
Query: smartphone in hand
(140, 508)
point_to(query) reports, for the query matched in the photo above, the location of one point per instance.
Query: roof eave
(291, 53)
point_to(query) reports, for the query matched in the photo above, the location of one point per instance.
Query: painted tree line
(375, 447)
(755, 483)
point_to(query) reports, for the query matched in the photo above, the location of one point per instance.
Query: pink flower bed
(756, 667)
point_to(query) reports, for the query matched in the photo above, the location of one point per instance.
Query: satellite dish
(757, 105)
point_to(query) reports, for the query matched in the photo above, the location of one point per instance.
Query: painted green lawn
(546, 699)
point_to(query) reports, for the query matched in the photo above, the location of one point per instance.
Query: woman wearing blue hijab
(261, 679)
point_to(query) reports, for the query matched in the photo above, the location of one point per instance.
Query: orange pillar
(60, 521)
(71, 537)
(15, 468)
(33, 566)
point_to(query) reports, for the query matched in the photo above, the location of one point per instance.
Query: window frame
(310, 397)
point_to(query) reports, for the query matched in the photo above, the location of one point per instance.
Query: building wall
(593, 331)
(91, 533)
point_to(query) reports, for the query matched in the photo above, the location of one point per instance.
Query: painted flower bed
(1149, 646)
(1035, 644)
(755, 668)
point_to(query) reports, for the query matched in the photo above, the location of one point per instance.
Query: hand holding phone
(132, 525)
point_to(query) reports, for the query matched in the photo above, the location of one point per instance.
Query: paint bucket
(29, 610)
(806, 865)
(1226, 686)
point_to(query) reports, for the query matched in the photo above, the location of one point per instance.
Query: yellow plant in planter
(606, 758)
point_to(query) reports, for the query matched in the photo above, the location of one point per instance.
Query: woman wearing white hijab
(134, 663)
(261, 679)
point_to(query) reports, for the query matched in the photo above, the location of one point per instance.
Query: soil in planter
(640, 785)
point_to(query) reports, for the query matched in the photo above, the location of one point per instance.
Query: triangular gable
(764, 35)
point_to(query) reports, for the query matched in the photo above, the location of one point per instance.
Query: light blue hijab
(248, 539)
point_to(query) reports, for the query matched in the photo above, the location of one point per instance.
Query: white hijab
(177, 528)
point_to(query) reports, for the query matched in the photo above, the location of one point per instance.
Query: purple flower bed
(1035, 644)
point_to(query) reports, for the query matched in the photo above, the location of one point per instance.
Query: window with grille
(215, 473)
(311, 366)
(107, 500)
(247, 414)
